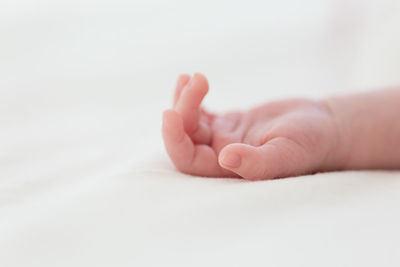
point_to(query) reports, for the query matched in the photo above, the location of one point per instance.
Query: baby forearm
(369, 125)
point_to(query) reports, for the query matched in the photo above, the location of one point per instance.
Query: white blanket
(85, 180)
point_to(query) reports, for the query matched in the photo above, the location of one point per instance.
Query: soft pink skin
(278, 139)
(282, 138)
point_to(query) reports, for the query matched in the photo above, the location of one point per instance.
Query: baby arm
(369, 126)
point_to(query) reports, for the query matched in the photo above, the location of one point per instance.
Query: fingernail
(231, 160)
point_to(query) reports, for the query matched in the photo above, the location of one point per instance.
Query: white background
(84, 179)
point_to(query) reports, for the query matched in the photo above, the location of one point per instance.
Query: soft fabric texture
(85, 180)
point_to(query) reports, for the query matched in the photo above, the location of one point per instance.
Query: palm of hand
(278, 139)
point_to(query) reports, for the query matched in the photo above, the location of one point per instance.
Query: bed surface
(85, 180)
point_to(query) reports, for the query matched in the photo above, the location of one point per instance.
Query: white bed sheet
(84, 178)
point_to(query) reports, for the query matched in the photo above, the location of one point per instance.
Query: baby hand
(278, 139)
